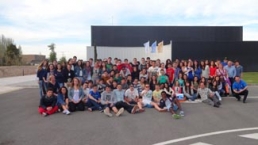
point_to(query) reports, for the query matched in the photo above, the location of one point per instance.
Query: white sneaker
(108, 113)
(64, 111)
(44, 114)
(182, 113)
(120, 111)
(67, 112)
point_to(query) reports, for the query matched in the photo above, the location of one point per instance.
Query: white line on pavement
(252, 136)
(204, 135)
(200, 143)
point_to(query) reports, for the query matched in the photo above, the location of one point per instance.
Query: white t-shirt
(76, 96)
(153, 70)
(146, 98)
(131, 94)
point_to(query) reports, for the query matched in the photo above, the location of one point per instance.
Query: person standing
(231, 71)
(239, 69)
(240, 88)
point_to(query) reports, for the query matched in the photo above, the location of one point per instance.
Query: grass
(250, 77)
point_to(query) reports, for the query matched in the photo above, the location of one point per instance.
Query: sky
(34, 24)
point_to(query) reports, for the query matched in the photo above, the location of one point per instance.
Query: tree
(12, 55)
(62, 59)
(4, 43)
(52, 55)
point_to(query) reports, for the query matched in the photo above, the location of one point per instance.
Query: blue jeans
(192, 97)
(41, 87)
(93, 105)
(60, 100)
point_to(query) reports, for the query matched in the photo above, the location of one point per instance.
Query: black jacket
(48, 101)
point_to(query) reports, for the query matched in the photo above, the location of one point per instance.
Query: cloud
(36, 23)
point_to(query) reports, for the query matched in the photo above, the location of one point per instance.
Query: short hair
(163, 92)
(50, 89)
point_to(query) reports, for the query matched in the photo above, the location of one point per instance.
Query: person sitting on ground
(76, 96)
(63, 101)
(156, 94)
(188, 91)
(240, 88)
(170, 104)
(169, 91)
(94, 102)
(48, 103)
(147, 98)
(214, 88)
(108, 100)
(120, 101)
(207, 96)
(132, 97)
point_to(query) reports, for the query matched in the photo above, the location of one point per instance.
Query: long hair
(79, 82)
(66, 91)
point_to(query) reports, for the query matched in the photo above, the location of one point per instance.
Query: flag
(153, 47)
(147, 46)
(160, 47)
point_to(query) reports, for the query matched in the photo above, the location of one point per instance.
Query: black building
(196, 42)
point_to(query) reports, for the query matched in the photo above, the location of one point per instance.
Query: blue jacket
(77, 70)
(42, 73)
(59, 76)
(71, 93)
(198, 72)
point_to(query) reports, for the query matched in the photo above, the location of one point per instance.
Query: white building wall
(129, 53)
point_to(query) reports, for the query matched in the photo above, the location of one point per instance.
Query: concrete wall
(10, 71)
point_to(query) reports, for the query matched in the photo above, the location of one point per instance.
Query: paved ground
(20, 124)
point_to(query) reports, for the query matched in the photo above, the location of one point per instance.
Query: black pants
(245, 93)
(231, 82)
(124, 105)
(79, 106)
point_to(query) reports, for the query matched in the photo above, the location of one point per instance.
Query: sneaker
(135, 108)
(216, 105)
(67, 112)
(44, 114)
(108, 113)
(59, 110)
(175, 116)
(219, 103)
(120, 111)
(64, 111)
(182, 113)
(89, 109)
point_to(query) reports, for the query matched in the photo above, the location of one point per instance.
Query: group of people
(114, 85)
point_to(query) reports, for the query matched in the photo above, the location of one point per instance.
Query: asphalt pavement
(234, 123)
